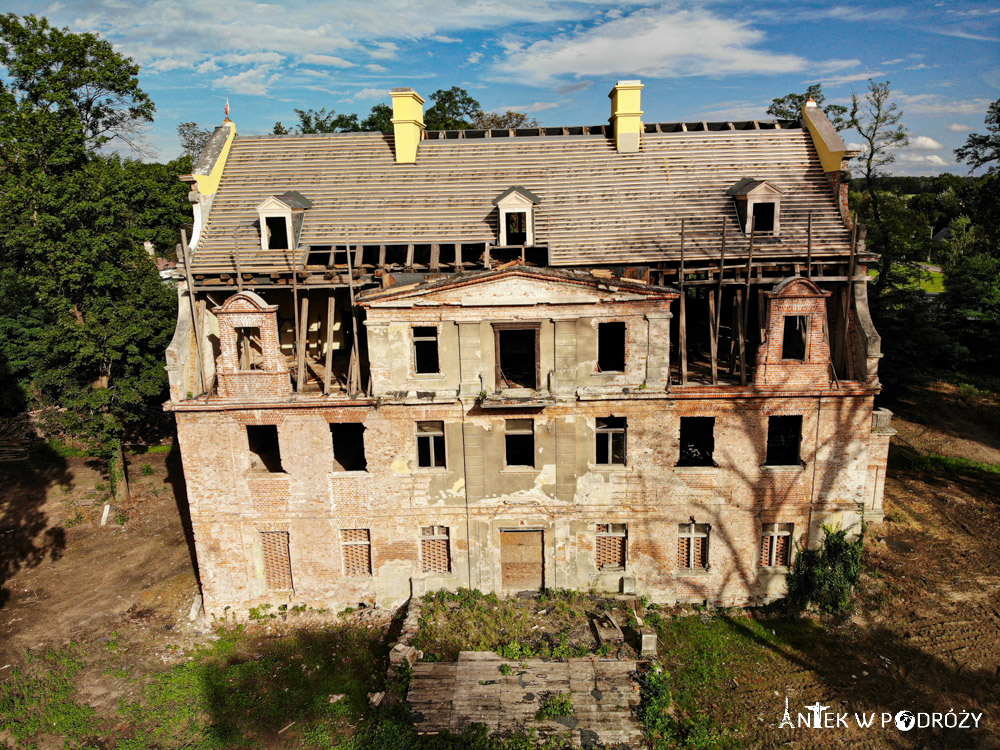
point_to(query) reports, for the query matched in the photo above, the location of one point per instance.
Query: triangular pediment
(517, 196)
(749, 187)
(516, 287)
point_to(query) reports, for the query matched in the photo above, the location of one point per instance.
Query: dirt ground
(925, 638)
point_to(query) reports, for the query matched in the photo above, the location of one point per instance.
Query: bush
(827, 576)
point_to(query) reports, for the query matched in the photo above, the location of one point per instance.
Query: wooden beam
(809, 247)
(717, 319)
(194, 310)
(682, 323)
(295, 312)
(236, 258)
(300, 349)
(354, 379)
(713, 338)
(330, 305)
(740, 317)
(745, 321)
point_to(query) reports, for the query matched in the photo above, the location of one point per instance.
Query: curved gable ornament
(797, 286)
(245, 302)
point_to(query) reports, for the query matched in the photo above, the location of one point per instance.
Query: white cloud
(895, 61)
(925, 143)
(254, 81)
(935, 104)
(369, 94)
(445, 39)
(957, 127)
(314, 73)
(384, 50)
(660, 42)
(376, 68)
(248, 58)
(921, 66)
(474, 58)
(331, 60)
(850, 78)
(960, 34)
(529, 108)
(733, 111)
(911, 159)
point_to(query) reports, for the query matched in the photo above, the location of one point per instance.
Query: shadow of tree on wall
(175, 478)
(26, 536)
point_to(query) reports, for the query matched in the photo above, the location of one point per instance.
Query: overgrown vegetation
(554, 705)
(827, 577)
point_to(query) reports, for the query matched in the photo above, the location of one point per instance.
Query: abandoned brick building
(633, 357)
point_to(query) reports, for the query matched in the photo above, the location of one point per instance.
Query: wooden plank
(195, 323)
(682, 321)
(330, 310)
(718, 303)
(300, 347)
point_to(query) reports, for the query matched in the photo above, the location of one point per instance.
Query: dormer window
(516, 220)
(758, 204)
(281, 220)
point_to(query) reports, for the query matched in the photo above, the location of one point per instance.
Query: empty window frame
(697, 441)
(356, 547)
(277, 562)
(763, 217)
(692, 546)
(265, 450)
(249, 350)
(517, 227)
(611, 347)
(793, 339)
(425, 350)
(775, 545)
(519, 442)
(517, 355)
(348, 446)
(612, 539)
(430, 445)
(611, 439)
(434, 554)
(783, 437)
(276, 228)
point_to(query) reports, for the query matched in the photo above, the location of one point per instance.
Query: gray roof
(596, 206)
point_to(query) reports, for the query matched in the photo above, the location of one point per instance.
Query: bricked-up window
(434, 549)
(697, 441)
(611, 440)
(519, 439)
(783, 437)
(277, 232)
(611, 542)
(277, 563)
(692, 545)
(357, 549)
(517, 355)
(425, 350)
(265, 451)
(249, 349)
(430, 445)
(793, 340)
(775, 545)
(348, 446)
(611, 347)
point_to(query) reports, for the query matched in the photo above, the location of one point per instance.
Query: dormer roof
(291, 199)
(518, 191)
(749, 186)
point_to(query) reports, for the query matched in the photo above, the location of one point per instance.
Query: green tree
(453, 109)
(789, 106)
(193, 138)
(379, 119)
(878, 120)
(509, 119)
(323, 121)
(84, 315)
(982, 149)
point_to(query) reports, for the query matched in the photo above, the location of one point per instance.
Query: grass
(554, 705)
(935, 463)
(931, 282)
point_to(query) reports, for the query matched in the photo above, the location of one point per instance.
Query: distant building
(633, 357)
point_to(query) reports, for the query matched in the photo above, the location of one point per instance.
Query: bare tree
(509, 119)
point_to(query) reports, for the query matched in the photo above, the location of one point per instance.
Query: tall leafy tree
(508, 119)
(84, 316)
(453, 109)
(379, 119)
(789, 106)
(981, 149)
(193, 138)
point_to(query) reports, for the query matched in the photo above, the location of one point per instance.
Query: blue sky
(556, 59)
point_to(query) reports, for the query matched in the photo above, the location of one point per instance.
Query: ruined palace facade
(629, 358)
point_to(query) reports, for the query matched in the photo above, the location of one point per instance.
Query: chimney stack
(407, 123)
(626, 115)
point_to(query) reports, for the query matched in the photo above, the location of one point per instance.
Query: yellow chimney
(407, 123)
(626, 115)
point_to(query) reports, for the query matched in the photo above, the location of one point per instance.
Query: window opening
(783, 437)
(763, 217)
(692, 545)
(425, 350)
(697, 441)
(517, 357)
(611, 347)
(265, 452)
(611, 544)
(517, 227)
(356, 546)
(277, 232)
(319, 255)
(348, 446)
(611, 440)
(793, 340)
(519, 439)
(277, 562)
(430, 444)
(249, 349)
(775, 545)
(434, 549)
